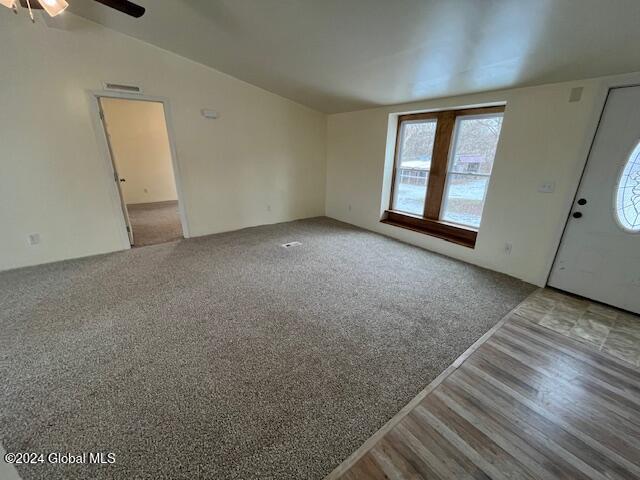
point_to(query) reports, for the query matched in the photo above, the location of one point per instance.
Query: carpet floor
(230, 356)
(154, 223)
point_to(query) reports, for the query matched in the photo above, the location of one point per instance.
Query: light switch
(209, 114)
(547, 187)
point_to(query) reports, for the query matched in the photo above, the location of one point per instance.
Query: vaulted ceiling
(341, 55)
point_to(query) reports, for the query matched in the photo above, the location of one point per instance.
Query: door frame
(116, 176)
(103, 141)
(603, 90)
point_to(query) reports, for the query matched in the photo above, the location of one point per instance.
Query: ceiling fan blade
(35, 5)
(124, 6)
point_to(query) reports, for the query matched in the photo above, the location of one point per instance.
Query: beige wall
(140, 143)
(544, 138)
(265, 160)
(262, 161)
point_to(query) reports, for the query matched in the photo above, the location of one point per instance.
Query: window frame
(429, 222)
(398, 152)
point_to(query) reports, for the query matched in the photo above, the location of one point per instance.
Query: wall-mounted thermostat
(209, 114)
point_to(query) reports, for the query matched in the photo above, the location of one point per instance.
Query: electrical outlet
(349, 207)
(146, 190)
(507, 248)
(33, 238)
(268, 208)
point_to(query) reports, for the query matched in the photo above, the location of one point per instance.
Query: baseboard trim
(164, 203)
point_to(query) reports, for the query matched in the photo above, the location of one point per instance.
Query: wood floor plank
(531, 423)
(530, 449)
(559, 384)
(393, 464)
(485, 454)
(563, 364)
(458, 465)
(606, 447)
(526, 403)
(600, 371)
(593, 423)
(365, 467)
(579, 350)
(415, 454)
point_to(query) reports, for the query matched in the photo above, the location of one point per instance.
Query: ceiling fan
(56, 7)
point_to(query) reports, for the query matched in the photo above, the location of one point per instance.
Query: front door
(599, 256)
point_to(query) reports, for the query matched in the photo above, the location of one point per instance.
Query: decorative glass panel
(413, 165)
(471, 161)
(628, 193)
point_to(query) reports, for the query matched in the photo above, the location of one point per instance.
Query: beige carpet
(229, 356)
(155, 223)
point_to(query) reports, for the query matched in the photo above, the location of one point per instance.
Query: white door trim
(606, 85)
(95, 96)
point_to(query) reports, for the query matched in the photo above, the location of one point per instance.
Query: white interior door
(599, 256)
(116, 176)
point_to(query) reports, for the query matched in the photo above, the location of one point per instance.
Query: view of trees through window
(416, 149)
(474, 143)
(473, 151)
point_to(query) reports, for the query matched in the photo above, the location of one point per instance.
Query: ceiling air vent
(119, 87)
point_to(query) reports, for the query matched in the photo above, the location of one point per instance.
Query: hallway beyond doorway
(154, 223)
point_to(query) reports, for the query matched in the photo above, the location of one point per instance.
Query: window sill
(444, 230)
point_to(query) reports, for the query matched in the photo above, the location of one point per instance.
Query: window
(414, 161)
(469, 168)
(443, 162)
(628, 193)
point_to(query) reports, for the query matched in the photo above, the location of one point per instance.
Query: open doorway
(143, 164)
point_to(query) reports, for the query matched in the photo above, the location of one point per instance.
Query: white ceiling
(341, 55)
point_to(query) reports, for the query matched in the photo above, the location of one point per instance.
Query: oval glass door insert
(628, 193)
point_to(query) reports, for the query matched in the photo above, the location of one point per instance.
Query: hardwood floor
(528, 403)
